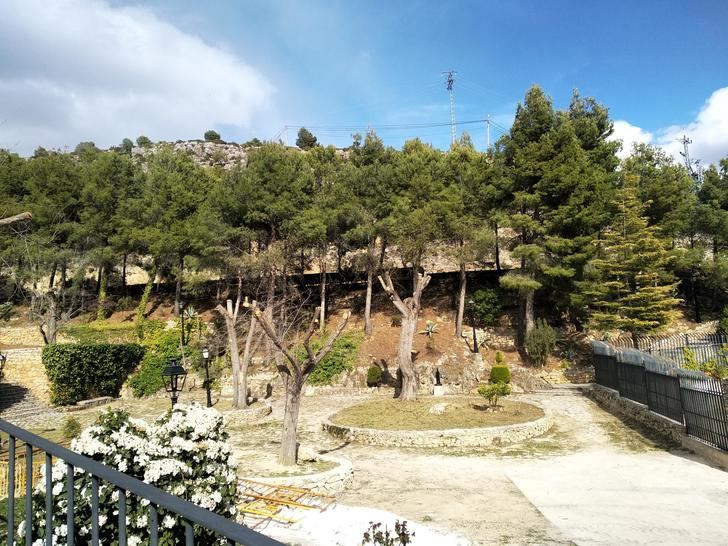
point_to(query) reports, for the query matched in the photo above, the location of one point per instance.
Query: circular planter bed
(439, 422)
(329, 475)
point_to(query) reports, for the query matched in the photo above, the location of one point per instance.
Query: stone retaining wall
(456, 437)
(611, 401)
(24, 367)
(331, 482)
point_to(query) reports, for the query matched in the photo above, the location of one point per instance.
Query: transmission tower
(450, 83)
(692, 165)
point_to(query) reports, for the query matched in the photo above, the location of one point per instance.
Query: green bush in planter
(493, 391)
(374, 376)
(80, 371)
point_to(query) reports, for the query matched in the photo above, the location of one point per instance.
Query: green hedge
(162, 346)
(81, 371)
(341, 358)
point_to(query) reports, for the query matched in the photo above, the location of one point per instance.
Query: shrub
(487, 306)
(493, 391)
(101, 332)
(541, 342)
(709, 367)
(374, 376)
(723, 324)
(500, 374)
(162, 346)
(125, 303)
(6, 311)
(185, 452)
(378, 537)
(71, 428)
(342, 357)
(396, 321)
(78, 371)
(500, 360)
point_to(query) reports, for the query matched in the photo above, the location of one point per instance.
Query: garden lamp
(471, 304)
(174, 377)
(206, 360)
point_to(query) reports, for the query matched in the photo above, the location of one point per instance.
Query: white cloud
(629, 135)
(73, 70)
(708, 132)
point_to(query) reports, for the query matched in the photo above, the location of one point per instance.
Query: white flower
(168, 522)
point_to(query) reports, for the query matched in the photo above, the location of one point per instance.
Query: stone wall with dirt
(462, 437)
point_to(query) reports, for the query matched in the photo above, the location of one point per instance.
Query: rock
(438, 409)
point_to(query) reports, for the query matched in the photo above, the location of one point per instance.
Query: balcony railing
(189, 513)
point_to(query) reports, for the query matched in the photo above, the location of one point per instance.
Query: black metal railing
(688, 397)
(190, 514)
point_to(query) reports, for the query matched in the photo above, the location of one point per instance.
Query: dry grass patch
(460, 412)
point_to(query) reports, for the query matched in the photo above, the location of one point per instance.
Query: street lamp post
(471, 304)
(206, 360)
(174, 377)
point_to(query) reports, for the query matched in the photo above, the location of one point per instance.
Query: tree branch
(17, 218)
(388, 287)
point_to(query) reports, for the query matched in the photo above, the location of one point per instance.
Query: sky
(103, 70)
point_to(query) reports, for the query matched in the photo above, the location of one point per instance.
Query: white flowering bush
(185, 452)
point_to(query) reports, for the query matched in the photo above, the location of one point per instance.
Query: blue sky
(658, 65)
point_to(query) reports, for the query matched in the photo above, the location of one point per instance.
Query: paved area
(591, 480)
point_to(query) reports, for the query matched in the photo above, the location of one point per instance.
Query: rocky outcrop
(208, 154)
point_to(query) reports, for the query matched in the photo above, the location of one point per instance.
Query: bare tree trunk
(322, 269)
(124, 289)
(289, 445)
(528, 313)
(368, 329)
(247, 355)
(52, 280)
(101, 308)
(461, 301)
(230, 315)
(404, 356)
(410, 311)
(497, 250)
(49, 327)
(178, 288)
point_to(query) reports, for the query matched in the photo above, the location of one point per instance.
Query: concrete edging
(454, 437)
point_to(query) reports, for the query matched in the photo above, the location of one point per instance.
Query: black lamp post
(206, 360)
(174, 377)
(471, 304)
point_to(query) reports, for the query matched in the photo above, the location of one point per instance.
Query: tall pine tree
(629, 286)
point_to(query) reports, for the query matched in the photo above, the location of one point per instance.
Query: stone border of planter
(453, 437)
(330, 482)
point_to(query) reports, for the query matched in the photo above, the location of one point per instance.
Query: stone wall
(24, 367)
(464, 437)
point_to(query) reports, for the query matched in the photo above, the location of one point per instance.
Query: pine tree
(629, 287)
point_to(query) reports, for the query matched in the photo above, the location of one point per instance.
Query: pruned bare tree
(410, 311)
(294, 370)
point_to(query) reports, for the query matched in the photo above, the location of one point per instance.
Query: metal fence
(704, 347)
(687, 397)
(190, 514)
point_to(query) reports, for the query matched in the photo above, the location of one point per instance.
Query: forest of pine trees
(610, 244)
